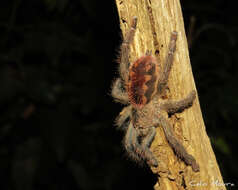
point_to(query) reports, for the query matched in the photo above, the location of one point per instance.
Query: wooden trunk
(156, 20)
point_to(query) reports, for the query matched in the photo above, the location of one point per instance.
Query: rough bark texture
(156, 20)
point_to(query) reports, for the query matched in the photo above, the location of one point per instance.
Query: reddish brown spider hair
(142, 82)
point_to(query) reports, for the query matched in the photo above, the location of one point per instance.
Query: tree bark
(156, 20)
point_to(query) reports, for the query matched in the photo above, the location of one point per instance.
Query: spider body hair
(140, 87)
(143, 79)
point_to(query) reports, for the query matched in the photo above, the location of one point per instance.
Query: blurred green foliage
(57, 61)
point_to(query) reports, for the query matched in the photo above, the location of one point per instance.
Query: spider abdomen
(142, 81)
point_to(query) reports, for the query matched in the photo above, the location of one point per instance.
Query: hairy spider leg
(164, 75)
(128, 142)
(121, 120)
(135, 150)
(125, 51)
(147, 140)
(118, 93)
(176, 145)
(173, 106)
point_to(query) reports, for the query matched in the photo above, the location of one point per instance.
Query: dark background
(57, 61)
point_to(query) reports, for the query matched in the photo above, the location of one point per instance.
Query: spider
(140, 87)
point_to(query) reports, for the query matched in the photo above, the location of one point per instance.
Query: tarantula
(140, 87)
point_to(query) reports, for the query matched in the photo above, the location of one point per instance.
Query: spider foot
(145, 154)
(148, 52)
(189, 160)
(152, 162)
(195, 167)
